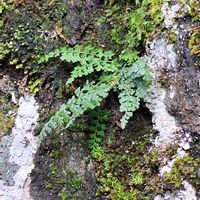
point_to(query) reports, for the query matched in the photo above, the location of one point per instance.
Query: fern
(130, 81)
(133, 83)
(90, 59)
(89, 97)
(97, 129)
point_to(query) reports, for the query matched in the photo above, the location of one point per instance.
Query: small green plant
(130, 24)
(194, 41)
(137, 178)
(131, 81)
(74, 181)
(34, 85)
(5, 49)
(63, 195)
(183, 167)
(4, 5)
(116, 189)
(97, 128)
(146, 17)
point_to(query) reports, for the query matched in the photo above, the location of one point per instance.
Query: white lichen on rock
(188, 193)
(161, 56)
(162, 59)
(184, 145)
(170, 12)
(21, 148)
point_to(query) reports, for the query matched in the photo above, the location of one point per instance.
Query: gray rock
(18, 151)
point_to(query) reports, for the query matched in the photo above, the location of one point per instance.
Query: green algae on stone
(68, 170)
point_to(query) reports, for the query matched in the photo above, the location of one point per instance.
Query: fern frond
(97, 128)
(130, 81)
(88, 97)
(129, 102)
(89, 59)
(133, 83)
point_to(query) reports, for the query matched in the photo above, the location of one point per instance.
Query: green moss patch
(7, 114)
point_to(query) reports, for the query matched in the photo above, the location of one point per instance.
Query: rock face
(177, 70)
(184, 78)
(17, 152)
(64, 168)
(174, 98)
(160, 57)
(176, 76)
(187, 194)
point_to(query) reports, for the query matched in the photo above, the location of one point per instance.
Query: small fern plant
(130, 81)
(97, 129)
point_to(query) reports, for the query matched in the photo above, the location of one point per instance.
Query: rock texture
(17, 152)
(160, 57)
(187, 194)
(64, 162)
(174, 98)
(184, 78)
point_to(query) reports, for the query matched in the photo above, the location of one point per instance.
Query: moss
(28, 31)
(126, 25)
(63, 195)
(70, 184)
(48, 185)
(34, 85)
(6, 119)
(5, 49)
(125, 168)
(5, 5)
(194, 9)
(170, 36)
(194, 41)
(74, 181)
(183, 168)
(67, 180)
(116, 189)
(6, 123)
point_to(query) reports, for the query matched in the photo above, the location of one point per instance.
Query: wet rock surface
(64, 168)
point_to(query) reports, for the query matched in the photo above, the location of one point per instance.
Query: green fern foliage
(86, 98)
(130, 81)
(97, 128)
(89, 59)
(133, 84)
